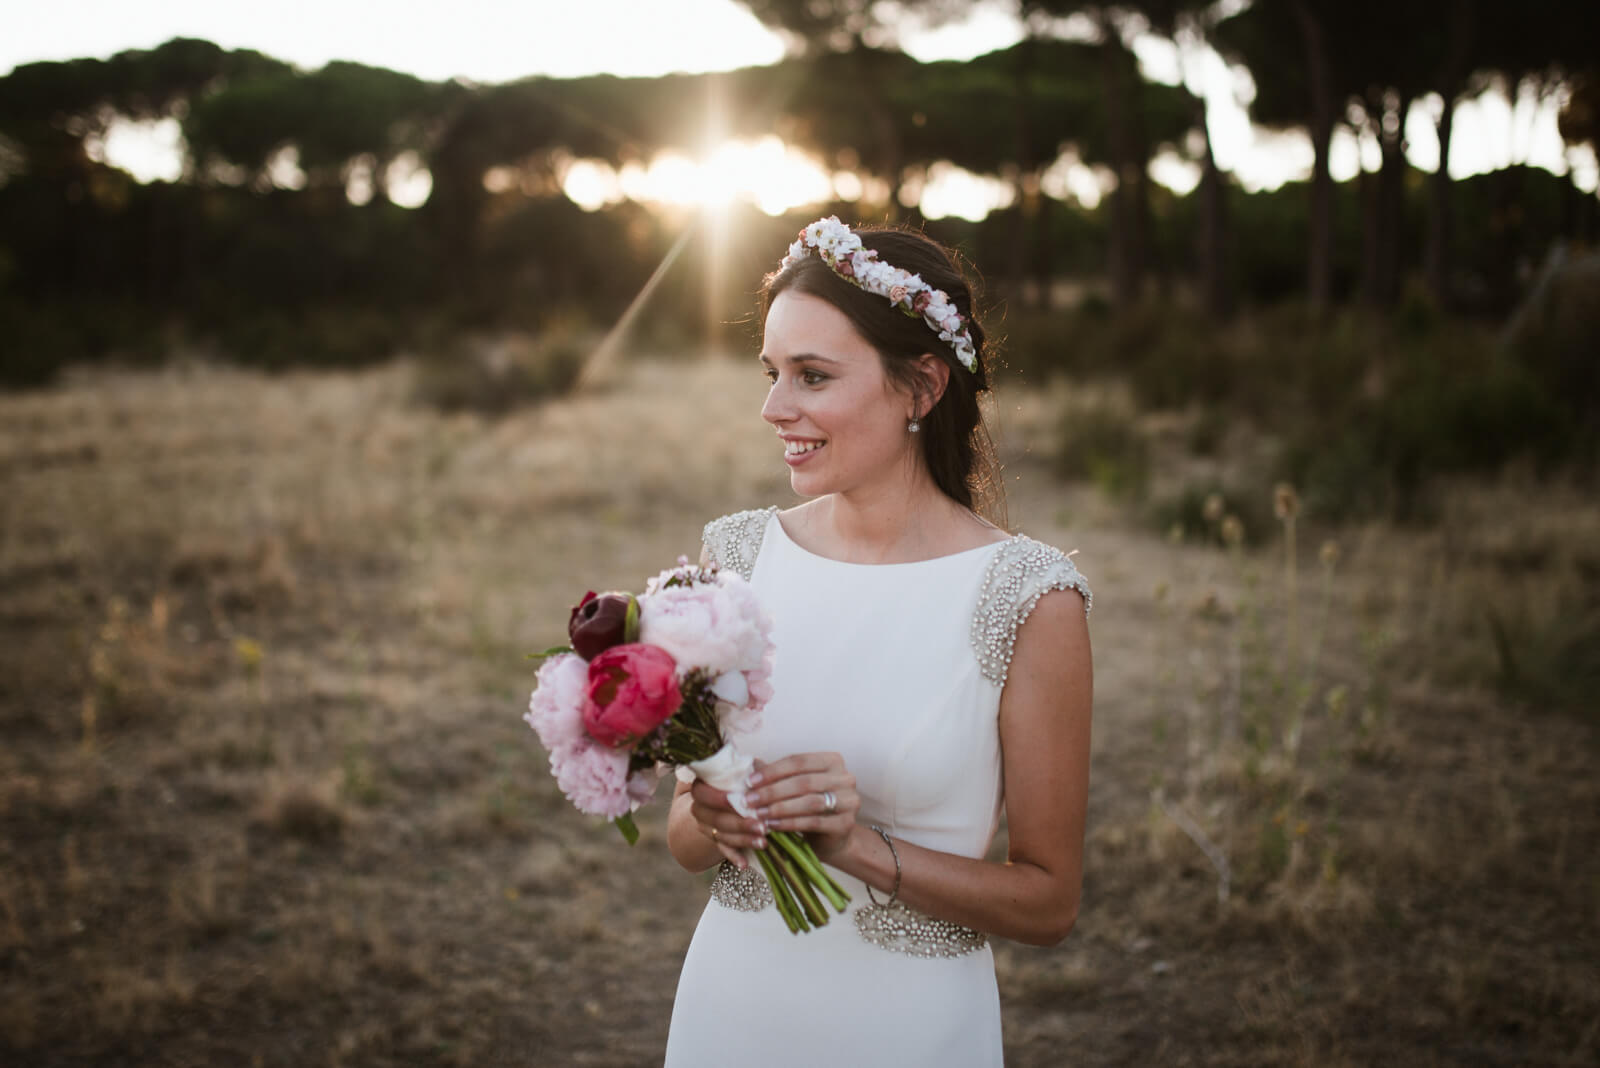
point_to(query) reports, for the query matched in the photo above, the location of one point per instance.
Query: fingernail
(758, 825)
(775, 823)
(755, 779)
(761, 843)
(764, 813)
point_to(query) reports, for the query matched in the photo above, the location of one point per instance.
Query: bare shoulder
(1058, 623)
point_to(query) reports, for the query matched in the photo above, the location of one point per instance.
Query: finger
(811, 803)
(799, 764)
(710, 796)
(726, 829)
(810, 817)
(799, 787)
(735, 857)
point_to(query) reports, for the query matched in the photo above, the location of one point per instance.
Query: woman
(928, 667)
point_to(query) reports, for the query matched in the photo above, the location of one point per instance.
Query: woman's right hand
(723, 826)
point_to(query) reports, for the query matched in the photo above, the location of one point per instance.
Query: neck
(888, 520)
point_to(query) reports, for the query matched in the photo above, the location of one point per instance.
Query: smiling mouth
(800, 448)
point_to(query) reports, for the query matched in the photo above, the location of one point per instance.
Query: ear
(935, 376)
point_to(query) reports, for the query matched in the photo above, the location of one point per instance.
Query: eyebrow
(803, 357)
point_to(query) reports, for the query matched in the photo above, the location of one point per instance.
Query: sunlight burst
(766, 173)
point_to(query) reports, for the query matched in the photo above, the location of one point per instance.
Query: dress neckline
(774, 521)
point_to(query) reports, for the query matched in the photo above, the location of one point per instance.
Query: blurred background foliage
(1428, 324)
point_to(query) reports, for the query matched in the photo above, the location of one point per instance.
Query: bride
(932, 670)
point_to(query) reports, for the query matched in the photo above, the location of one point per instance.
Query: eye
(812, 378)
(772, 375)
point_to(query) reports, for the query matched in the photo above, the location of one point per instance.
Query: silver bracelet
(895, 853)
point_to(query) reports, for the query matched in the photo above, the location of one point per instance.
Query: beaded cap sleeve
(1022, 571)
(734, 541)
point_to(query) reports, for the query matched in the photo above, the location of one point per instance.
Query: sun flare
(766, 173)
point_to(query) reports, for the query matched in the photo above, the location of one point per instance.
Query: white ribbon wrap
(726, 769)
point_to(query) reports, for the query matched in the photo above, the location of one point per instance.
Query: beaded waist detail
(893, 927)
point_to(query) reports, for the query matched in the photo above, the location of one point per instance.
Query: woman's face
(842, 421)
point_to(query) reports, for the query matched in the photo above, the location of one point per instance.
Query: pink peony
(716, 628)
(642, 785)
(555, 711)
(632, 690)
(594, 778)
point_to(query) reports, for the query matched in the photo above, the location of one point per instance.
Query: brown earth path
(266, 797)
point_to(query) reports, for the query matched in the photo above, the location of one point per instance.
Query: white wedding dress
(899, 668)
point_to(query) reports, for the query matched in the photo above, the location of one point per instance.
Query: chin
(804, 486)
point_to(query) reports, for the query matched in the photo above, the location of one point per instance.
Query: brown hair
(955, 442)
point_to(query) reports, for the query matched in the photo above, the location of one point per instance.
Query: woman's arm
(1044, 739)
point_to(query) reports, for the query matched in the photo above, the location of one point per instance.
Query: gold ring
(715, 834)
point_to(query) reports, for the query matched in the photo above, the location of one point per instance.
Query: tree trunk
(1392, 201)
(1368, 184)
(1125, 254)
(1319, 257)
(888, 159)
(1214, 288)
(1450, 79)
(1022, 221)
(1439, 236)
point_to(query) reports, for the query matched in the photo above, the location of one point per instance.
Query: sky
(499, 40)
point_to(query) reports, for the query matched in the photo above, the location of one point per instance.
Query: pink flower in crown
(897, 294)
(952, 323)
(846, 267)
(920, 302)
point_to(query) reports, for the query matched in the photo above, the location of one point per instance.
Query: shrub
(496, 373)
(1104, 446)
(1186, 512)
(276, 339)
(1551, 662)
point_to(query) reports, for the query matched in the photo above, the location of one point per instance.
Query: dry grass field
(266, 797)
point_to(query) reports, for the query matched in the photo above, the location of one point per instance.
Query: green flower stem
(780, 895)
(806, 859)
(801, 888)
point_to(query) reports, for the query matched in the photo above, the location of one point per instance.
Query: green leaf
(554, 650)
(630, 622)
(629, 829)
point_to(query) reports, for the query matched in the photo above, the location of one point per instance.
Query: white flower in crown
(841, 249)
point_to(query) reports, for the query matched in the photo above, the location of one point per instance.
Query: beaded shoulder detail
(1022, 571)
(734, 541)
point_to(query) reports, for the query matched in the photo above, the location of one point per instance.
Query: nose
(778, 408)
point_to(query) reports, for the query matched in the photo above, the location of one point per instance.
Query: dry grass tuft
(266, 793)
(309, 811)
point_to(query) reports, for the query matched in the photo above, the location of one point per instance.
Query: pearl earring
(913, 426)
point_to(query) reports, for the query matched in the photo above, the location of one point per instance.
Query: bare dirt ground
(266, 797)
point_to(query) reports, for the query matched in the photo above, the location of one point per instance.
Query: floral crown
(839, 248)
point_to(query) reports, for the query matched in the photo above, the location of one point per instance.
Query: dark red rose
(633, 689)
(600, 621)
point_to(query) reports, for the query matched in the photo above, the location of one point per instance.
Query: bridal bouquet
(667, 680)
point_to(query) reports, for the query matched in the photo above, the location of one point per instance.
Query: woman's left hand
(810, 792)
